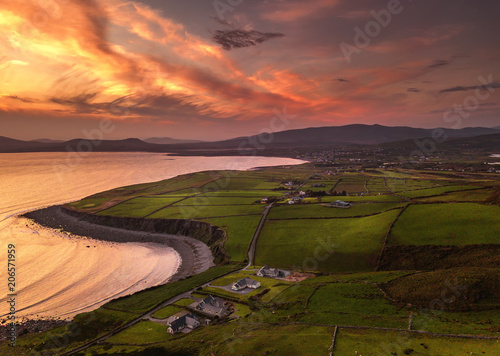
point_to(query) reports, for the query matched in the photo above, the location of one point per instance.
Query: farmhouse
(294, 200)
(187, 322)
(213, 306)
(340, 204)
(245, 283)
(266, 271)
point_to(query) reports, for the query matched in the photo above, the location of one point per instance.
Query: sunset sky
(175, 68)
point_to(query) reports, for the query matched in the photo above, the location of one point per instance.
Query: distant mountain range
(168, 141)
(47, 140)
(310, 137)
(350, 134)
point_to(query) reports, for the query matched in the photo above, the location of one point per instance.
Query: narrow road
(251, 249)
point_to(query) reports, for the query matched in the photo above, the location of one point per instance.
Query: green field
(423, 193)
(376, 185)
(478, 195)
(353, 304)
(142, 333)
(209, 200)
(341, 244)
(139, 207)
(166, 312)
(447, 224)
(240, 231)
(376, 342)
(301, 211)
(364, 198)
(204, 211)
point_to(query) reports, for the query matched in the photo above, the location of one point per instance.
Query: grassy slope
(325, 211)
(447, 224)
(375, 342)
(352, 244)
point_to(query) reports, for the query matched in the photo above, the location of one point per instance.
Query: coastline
(195, 256)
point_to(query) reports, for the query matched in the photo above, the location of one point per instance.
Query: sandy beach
(195, 256)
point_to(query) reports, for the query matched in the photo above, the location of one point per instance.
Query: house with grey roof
(245, 283)
(267, 271)
(340, 204)
(213, 306)
(185, 323)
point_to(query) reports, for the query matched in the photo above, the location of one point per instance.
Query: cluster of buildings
(211, 307)
(267, 271)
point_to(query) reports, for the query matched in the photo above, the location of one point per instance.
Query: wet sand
(195, 256)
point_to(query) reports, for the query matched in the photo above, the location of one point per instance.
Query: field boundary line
(410, 321)
(338, 217)
(360, 327)
(335, 185)
(333, 340)
(169, 205)
(384, 244)
(312, 293)
(366, 185)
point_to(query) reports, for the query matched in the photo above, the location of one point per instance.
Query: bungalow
(266, 271)
(340, 204)
(212, 306)
(294, 200)
(245, 283)
(188, 321)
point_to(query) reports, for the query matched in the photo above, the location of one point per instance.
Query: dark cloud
(24, 100)
(81, 103)
(342, 80)
(439, 63)
(231, 39)
(493, 85)
(413, 90)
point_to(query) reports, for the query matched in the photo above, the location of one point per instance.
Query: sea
(57, 275)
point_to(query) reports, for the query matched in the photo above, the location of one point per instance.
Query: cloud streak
(232, 39)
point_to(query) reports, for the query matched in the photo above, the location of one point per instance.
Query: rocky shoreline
(31, 326)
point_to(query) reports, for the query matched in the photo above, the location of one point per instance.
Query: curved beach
(195, 255)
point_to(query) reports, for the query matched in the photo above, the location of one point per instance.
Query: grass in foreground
(376, 342)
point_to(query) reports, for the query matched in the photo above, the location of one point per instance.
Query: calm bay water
(61, 276)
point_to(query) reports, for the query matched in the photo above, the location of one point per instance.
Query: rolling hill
(300, 138)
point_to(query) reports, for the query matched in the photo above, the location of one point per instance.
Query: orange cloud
(295, 10)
